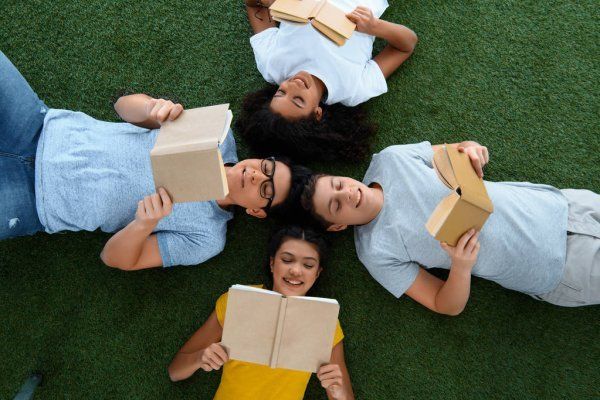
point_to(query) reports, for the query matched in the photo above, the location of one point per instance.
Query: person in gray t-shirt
(64, 170)
(523, 245)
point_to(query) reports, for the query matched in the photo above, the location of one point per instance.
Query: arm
(135, 247)
(142, 110)
(449, 297)
(334, 376)
(258, 15)
(201, 351)
(478, 154)
(401, 40)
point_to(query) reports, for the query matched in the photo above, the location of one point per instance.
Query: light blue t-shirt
(90, 175)
(523, 243)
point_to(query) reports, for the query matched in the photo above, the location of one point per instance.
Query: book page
(307, 334)
(301, 9)
(251, 324)
(335, 19)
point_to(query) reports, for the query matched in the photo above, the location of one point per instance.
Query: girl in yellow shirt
(296, 261)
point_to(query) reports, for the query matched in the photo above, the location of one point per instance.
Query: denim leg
(18, 214)
(21, 112)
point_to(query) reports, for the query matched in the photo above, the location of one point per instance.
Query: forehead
(285, 107)
(299, 248)
(323, 194)
(282, 181)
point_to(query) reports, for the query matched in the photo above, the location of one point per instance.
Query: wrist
(378, 28)
(459, 269)
(143, 226)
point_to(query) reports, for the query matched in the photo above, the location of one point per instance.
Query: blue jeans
(21, 120)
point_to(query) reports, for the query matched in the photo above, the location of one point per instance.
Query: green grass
(518, 76)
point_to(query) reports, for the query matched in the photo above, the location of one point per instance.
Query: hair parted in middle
(343, 133)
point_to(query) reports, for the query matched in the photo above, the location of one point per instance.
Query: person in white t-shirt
(309, 110)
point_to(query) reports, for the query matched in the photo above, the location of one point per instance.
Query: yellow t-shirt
(247, 381)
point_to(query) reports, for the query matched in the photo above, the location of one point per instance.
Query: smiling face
(245, 179)
(295, 267)
(298, 97)
(344, 201)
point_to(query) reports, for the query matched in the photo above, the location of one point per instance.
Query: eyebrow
(331, 199)
(304, 258)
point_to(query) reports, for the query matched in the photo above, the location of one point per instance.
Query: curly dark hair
(306, 200)
(300, 232)
(291, 210)
(343, 133)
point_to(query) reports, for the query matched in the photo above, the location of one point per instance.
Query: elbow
(173, 374)
(412, 43)
(109, 262)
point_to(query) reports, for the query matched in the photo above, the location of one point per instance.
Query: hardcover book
(268, 328)
(324, 16)
(468, 204)
(186, 159)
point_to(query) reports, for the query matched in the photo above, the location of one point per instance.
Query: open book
(186, 159)
(268, 328)
(324, 16)
(467, 206)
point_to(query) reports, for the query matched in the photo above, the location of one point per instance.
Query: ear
(336, 228)
(256, 212)
(319, 271)
(318, 113)
(271, 263)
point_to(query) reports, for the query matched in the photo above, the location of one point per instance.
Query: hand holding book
(161, 110)
(212, 357)
(364, 19)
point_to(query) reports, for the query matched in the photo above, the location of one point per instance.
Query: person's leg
(580, 284)
(18, 214)
(21, 112)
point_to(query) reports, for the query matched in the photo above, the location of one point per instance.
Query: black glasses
(267, 188)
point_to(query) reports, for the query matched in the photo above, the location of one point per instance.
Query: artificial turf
(520, 77)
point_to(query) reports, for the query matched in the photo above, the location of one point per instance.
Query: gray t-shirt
(90, 175)
(523, 243)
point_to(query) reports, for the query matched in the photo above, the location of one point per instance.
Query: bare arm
(142, 110)
(334, 376)
(401, 40)
(258, 15)
(201, 351)
(135, 246)
(449, 297)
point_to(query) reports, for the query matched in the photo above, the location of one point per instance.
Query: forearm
(184, 365)
(452, 297)
(134, 109)
(398, 36)
(123, 249)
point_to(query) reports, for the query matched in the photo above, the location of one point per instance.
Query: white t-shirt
(349, 73)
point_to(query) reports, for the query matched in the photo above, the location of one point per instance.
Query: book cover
(468, 204)
(186, 159)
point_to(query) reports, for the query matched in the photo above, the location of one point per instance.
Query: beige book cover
(268, 328)
(324, 16)
(186, 159)
(467, 206)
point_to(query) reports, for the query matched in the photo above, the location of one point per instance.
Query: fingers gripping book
(324, 16)
(268, 328)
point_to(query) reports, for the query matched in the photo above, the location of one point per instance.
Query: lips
(293, 282)
(359, 195)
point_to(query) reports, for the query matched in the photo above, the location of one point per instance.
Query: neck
(320, 86)
(226, 202)
(378, 199)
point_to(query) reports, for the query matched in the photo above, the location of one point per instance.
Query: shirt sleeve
(228, 149)
(221, 308)
(178, 248)
(371, 84)
(262, 43)
(339, 334)
(408, 153)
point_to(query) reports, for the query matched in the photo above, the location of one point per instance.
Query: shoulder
(263, 39)
(339, 334)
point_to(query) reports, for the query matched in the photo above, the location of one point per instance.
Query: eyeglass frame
(270, 179)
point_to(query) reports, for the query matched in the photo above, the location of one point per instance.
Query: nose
(295, 269)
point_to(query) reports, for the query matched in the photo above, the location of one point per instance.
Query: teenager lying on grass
(63, 170)
(312, 112)
(540, 240)
(296, 258)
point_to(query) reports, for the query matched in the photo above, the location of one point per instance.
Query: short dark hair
(307, 200)
(343, 133)
(290, 209)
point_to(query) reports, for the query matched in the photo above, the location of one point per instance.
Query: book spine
(278, 333)
(315, 11)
